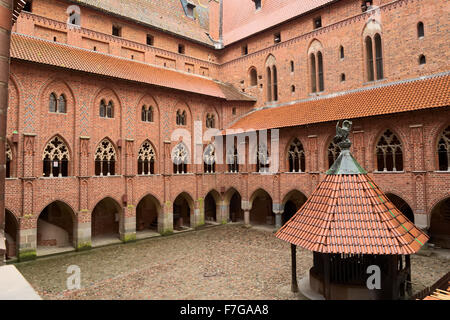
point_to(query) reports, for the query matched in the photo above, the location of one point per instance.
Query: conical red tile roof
(348, 213)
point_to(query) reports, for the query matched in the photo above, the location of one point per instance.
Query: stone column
(83, 231)
(278, 209)
(5, 39)
(223, 212)
(27, 238)
(165, 219)
(199, 213)
(127, 226)
(247, 217)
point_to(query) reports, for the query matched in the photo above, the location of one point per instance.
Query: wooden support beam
(294, 284)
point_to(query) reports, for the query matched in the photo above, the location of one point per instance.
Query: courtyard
(219, 262)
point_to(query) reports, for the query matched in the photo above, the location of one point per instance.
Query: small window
(366, 4)
(190, 7)
(422, 59)
(342, 77)
(257, 4)
(233, 111)
(318, 22)
(292, 66)
(54, 39)
(52, 103)
(253, 77)
(292, 89)
(341, 52)
(116, 31)
(28, 6)
(244, 50)
(95, 48)
(277, 37)
(181, 49)
(150, 40)
(420, 30)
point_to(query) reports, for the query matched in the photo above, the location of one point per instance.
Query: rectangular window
(318, 22)
(28, 6)
(257, 4)
(150, 40)
(277, 37)
(116, 31)
(190, 7)
(181, 49)
(245, 50)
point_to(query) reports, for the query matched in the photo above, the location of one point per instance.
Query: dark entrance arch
(55, 226)
(401, 205)
(182, 208)
(440, 224)
(236, 212)
(105, 219)
(292, 203)
(261, 212)
(147, 214)
(211, 203)
(11, 233)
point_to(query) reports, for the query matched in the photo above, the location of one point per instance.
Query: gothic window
(181, 118)
(262, 159)
(296, 155)
(422, 59)
(389, 152)
(269, 84)
(420, 30)
(313, 73)
(110, 110)
(150, 114)
(102, 109)
(379, 56)
(209, 159)
(444, 150)
(144, 114)
(316, 66)
(55, 159)
(275, 83)
(253, 77)
(320, 71)
(369, 59)
(8, 161)
(180, 158)
(105, 159)
(341, 52)
(333, 153)
(210, 121)
(232, 160)
(146, 159)
(62, 104)
(52, 103)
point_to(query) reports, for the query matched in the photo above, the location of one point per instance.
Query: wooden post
(408, 276)
(294, 284)
(326, 276)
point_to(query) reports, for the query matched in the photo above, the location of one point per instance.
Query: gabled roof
(65, 56)
(410, 95)
(348, 213)
(240, 19)
(167, 15)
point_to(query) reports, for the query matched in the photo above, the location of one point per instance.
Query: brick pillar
(84, 157)
(127, 225)
(5, 39)
(129, 157)
(358, 147)
(28, 155)
(222, 210)
(278, 209)
(83, 239)
(199, 213)
(418, 149)
(313, 154)
(165, 218)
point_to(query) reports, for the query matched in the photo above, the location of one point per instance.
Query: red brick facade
(31, 126)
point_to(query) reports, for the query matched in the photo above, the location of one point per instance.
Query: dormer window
(257, 4)
(277, 37)
(318, 22)
(190, 10)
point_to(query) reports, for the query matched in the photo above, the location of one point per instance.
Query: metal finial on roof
(345, 163)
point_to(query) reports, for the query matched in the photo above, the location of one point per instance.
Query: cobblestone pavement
(223, 262)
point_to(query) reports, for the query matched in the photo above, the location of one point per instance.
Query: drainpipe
(6, 8)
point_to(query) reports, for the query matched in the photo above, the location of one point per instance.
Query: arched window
(444, 150)
(233, 160)
(296, 156)
(420, 30)
(110, 110)
(105, 159)
(52, 103)
(313, 73)
(210, 121)
(102, 109)
(269, 84)
(379, 56)
(292, 66)
(209, 159)
(275, 83)
(56, 159)
(262, 159)
(341, 52)
(253, 77)
(369, 59)
(144, 113)
(422, 59)
(8, 161)
(150, 114)
(62, 103)
(320, 71)
(333, 153)
(146, 159)
(181, 118)
(389, 152)
(178, 117)
(180, 158)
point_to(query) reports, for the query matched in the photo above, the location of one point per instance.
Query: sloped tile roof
(350, 214)
(240, 19)
(431, 92)
(64, 56)
(168, 15)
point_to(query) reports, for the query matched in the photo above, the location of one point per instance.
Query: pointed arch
(443, 149)
(295, 156)
(333, 152)
(389, 152)
(316, 71)
(105, 158)
(148, 213)
(8, 160)
(180, 158)
(55, 158)
(183, 211)
(253, 76)
(146, 158)
(105, 218)
(212, 205)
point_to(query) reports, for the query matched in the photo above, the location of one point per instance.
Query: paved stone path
(223, 262)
